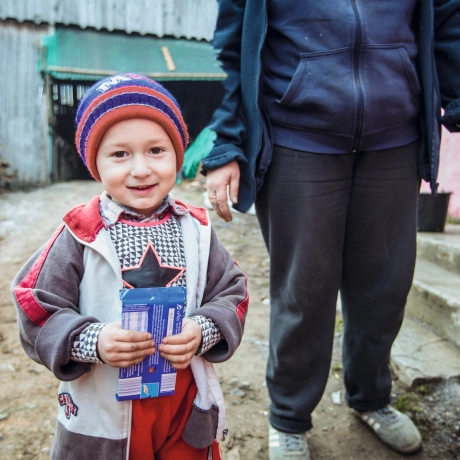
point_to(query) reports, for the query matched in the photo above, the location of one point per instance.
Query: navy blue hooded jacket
(340, 76)
(243, 131)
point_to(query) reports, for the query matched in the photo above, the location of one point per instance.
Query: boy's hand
(122, 348)
(179, 349)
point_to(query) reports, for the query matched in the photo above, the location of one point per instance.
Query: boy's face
(137, 164)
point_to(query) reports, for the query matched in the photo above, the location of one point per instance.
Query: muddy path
(28, 391)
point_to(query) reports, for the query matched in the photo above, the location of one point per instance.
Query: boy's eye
(156, 150)
(119, 154)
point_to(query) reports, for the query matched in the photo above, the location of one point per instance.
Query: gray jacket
(74, 280)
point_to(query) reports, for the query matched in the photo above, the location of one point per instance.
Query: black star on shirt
(150, 272)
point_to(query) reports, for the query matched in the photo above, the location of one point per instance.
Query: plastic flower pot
(432, 211)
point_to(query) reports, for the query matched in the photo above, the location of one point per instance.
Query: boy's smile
(137, 164)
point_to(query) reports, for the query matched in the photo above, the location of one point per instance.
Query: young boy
(131, 136)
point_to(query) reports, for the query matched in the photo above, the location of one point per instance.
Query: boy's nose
(140, 168)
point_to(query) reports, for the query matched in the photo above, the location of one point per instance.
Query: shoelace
(388, 415)
(293, 442)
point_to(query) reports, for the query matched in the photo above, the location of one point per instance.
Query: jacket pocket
(391, 85)
(321, 94)
(201, 428)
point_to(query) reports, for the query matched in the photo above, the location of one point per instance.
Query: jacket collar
(85, 222)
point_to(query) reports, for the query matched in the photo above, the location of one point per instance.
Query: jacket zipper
(258, 90)
(260, 63)
(357, 55)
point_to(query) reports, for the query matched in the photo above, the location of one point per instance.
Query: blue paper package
(160, 312)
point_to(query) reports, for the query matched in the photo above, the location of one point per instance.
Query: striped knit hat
(119, 98)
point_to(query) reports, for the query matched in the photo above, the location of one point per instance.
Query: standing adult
(330, 119)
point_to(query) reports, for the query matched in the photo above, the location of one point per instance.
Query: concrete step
(442, 249)
(419, 354)
(434, 299)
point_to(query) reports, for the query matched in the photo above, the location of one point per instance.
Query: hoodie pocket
(321, 95)
(201, 428)
(391, 86)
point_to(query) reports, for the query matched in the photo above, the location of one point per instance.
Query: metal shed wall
(178, 18)
(23, 117)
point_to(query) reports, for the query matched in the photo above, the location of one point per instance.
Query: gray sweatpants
(335, 222)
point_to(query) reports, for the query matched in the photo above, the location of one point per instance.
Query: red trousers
(158, 423)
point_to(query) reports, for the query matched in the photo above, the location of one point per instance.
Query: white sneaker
(287, 446)
(392, 427)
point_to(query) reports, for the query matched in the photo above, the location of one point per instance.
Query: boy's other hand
(179, 349)
(122, 348)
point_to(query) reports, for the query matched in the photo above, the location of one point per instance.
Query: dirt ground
(28, 391)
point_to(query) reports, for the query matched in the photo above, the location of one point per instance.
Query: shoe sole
(407, 450)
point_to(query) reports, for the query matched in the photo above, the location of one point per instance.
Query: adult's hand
(223, 182)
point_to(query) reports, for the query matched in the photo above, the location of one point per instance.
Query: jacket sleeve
(46, 293)
(228, 120)
(225, 301)
(447, 56)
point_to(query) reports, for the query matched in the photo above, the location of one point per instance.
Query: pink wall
(449, 170)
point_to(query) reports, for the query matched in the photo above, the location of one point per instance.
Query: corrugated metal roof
(75, 54)
(177, 18)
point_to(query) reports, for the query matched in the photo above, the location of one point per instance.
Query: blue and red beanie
(122, 97)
